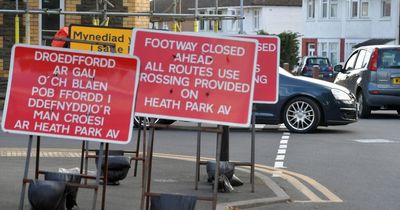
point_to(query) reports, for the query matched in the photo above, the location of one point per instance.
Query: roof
(167, 6)
(373, 42)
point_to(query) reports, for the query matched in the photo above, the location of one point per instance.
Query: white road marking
(281, 151)
(281, 154)
(279, 164)
(284, 141)
(283, 146)
(371, 141)
(280, 157)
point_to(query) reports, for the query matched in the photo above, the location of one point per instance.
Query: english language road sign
(195, 78)
(266, 89)
(71, 94)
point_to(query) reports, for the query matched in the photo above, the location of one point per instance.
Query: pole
(16, 23)
(216, 21)
(16, 29)
(241, 17)
(225, 143)
(196, 14)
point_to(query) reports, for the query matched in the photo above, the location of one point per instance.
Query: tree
(289, 47)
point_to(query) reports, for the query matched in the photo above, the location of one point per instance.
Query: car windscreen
(323, 62)
(389, 58)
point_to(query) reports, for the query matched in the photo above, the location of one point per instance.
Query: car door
(346, 76)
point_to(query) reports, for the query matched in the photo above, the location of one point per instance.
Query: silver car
(372, 73)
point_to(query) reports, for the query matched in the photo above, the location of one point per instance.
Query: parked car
(325, 68)
(372, 74)
(306, 103)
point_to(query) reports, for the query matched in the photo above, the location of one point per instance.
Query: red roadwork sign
(71, 94)
(195, 78)
(267, 77)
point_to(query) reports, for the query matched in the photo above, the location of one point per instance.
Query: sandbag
(235, 181)
(224, 184)
(46, 195)
(118, 166)
(225, 168)
(71, 193)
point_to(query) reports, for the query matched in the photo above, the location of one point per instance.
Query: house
(333, 28)
(271, 16)
(42, 26)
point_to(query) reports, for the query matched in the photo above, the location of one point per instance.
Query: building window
(311, 9)
(349, 49)
(333, 53)
(354, 8)
(219, 21)
(364, 8)
(235, 23)
(210, 22)
(329, 50)
(311, 49)
(334, 8)
(256, 22)
(165, 25)
(329, 8)
(324, 8)
(386, 5)
(51, 23)
(359, 8)
(323, 49)
(202, 22)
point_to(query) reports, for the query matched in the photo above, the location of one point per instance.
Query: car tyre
(139, 124)
(364, 111)
(301, 115)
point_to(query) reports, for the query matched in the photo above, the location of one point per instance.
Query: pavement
(172, 174)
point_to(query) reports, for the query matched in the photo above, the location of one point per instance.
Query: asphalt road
(358, 162)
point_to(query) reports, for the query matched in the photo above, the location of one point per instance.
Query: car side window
(360, 59)
(351, 61)
(366, 59)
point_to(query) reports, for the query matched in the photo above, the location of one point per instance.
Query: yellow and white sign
(116, 39)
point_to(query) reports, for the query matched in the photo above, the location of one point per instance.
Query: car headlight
(341, 96)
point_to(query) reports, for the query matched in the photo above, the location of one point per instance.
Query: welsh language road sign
(71, 94)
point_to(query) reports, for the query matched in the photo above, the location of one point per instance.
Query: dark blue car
(306, 103)
(325, 68)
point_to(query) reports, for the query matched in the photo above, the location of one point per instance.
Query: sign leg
(137, 148)
(28, 158)
(146, 165)
(37, 157)
(99, 163)
(198, 157)
(253, 134)
(216, 175)
(105, 178)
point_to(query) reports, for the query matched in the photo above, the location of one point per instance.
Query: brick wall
(70, 5)
(137, 6)
(34, 22)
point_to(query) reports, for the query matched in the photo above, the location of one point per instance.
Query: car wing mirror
(338, 68)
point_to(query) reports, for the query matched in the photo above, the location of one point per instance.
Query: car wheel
(364, 111)
(301, 115)
(140, 123)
